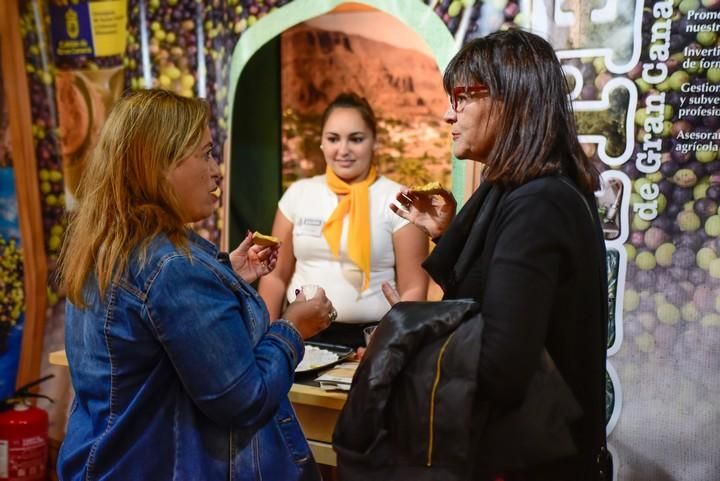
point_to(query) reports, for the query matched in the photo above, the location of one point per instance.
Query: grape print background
(12, 298)
(644, 77)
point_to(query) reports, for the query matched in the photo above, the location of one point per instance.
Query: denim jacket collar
(202, 243)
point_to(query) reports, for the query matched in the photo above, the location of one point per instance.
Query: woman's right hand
(310, 316)
(431, 213)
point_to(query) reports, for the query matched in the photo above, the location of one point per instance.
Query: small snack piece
(264, 240)
(430, 188)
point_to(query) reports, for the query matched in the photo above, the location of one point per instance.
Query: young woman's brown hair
(123, 196)
(530, 94)
(349, 100)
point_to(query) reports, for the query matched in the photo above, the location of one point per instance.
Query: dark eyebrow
(359, 132)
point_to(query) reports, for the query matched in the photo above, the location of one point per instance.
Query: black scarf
(464, 239)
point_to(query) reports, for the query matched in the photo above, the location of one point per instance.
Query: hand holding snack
(310, 316)
(255, 258)
(429, 206)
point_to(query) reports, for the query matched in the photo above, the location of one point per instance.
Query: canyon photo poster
(376, 56)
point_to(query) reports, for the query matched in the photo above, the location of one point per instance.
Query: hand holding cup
(310, 316)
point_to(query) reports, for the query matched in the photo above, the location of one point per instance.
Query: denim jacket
(179, 375)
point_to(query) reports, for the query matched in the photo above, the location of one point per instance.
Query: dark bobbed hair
(351, 100)
(537, 134)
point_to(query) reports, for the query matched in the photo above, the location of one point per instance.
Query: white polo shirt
(308, 203)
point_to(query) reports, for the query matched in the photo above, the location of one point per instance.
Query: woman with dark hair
(528, 247)
(336, 230)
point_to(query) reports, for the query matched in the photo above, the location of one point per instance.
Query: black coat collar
(464, 239)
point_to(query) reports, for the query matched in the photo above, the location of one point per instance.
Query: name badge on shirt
(309, 227)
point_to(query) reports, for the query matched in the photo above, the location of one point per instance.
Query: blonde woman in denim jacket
(177, 371)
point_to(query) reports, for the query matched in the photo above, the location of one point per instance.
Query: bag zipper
(433, 393)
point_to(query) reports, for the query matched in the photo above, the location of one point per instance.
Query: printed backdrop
(645, 77)
(12, 297)
(378, 57)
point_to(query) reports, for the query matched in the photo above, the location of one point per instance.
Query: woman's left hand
(391, 294)
(431, 213)
(251, 261)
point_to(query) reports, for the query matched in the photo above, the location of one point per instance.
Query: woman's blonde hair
(124, 199)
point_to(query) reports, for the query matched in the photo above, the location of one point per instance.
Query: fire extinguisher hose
(23, 392)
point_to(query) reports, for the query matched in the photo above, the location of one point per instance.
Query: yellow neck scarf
(357, 203)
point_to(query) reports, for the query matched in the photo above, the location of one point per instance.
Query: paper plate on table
(319, 355)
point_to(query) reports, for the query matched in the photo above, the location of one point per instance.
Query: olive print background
(12, 295)
(664, 350)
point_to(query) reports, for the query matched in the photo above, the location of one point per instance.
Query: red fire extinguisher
(23, 437)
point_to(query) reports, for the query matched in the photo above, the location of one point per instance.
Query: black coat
(414, 411)
(406, 416)
(534, 258)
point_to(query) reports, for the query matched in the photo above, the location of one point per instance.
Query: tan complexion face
(347, 144)
(194, 179)
(475, 128)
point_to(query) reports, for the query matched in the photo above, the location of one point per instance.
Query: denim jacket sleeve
(199, 320)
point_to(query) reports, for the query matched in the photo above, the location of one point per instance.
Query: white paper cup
(309, 290)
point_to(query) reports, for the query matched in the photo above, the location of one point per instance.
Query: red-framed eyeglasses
(460, 95)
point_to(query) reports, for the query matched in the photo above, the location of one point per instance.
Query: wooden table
(316, 409)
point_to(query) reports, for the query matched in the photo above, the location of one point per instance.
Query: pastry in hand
(264, 240)
(430, 188)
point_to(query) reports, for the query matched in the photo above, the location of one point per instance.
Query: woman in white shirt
(337, 232)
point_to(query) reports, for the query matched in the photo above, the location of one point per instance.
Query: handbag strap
(603, 458)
